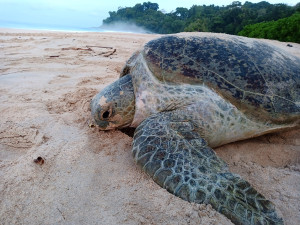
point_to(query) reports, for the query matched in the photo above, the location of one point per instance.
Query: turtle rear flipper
(169, 149)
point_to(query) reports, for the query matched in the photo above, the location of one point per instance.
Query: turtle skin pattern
(179, 160)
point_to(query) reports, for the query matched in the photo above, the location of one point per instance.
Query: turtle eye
(105, 115)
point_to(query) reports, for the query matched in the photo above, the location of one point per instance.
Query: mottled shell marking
(254, 76)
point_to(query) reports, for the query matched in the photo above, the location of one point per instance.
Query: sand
(89, 176)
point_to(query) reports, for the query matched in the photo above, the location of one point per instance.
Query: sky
(87, 13)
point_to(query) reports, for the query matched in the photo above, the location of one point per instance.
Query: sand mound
(88, 176)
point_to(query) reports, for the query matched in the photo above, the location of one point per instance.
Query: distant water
(4, 24)
(120, 27)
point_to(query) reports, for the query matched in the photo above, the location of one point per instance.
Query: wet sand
(89, 176)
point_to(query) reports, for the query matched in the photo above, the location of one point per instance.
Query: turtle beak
(102, 124)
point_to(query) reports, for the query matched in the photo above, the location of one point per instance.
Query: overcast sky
(86, 13)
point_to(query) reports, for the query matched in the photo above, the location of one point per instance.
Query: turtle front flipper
(170, 150)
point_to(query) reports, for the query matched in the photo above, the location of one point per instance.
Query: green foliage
(197, 25)
(287, 29)
(229, 19)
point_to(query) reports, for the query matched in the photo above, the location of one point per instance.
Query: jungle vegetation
(264, 20)
(286, 29)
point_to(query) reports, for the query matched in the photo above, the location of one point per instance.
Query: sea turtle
(187, 93)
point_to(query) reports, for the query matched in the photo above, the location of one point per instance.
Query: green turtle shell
(256, 77)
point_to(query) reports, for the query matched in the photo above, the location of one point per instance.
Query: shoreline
(83, 30)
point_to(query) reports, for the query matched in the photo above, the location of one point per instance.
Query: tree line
(248, 19)
(286, 29)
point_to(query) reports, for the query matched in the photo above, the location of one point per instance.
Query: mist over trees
(249, 19)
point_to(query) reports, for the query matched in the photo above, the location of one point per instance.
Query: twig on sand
(73, 48)
(89, 48)
(93, 46)
(61, 214)
(110, 53)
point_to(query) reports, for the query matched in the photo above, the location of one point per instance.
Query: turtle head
(114, 106)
